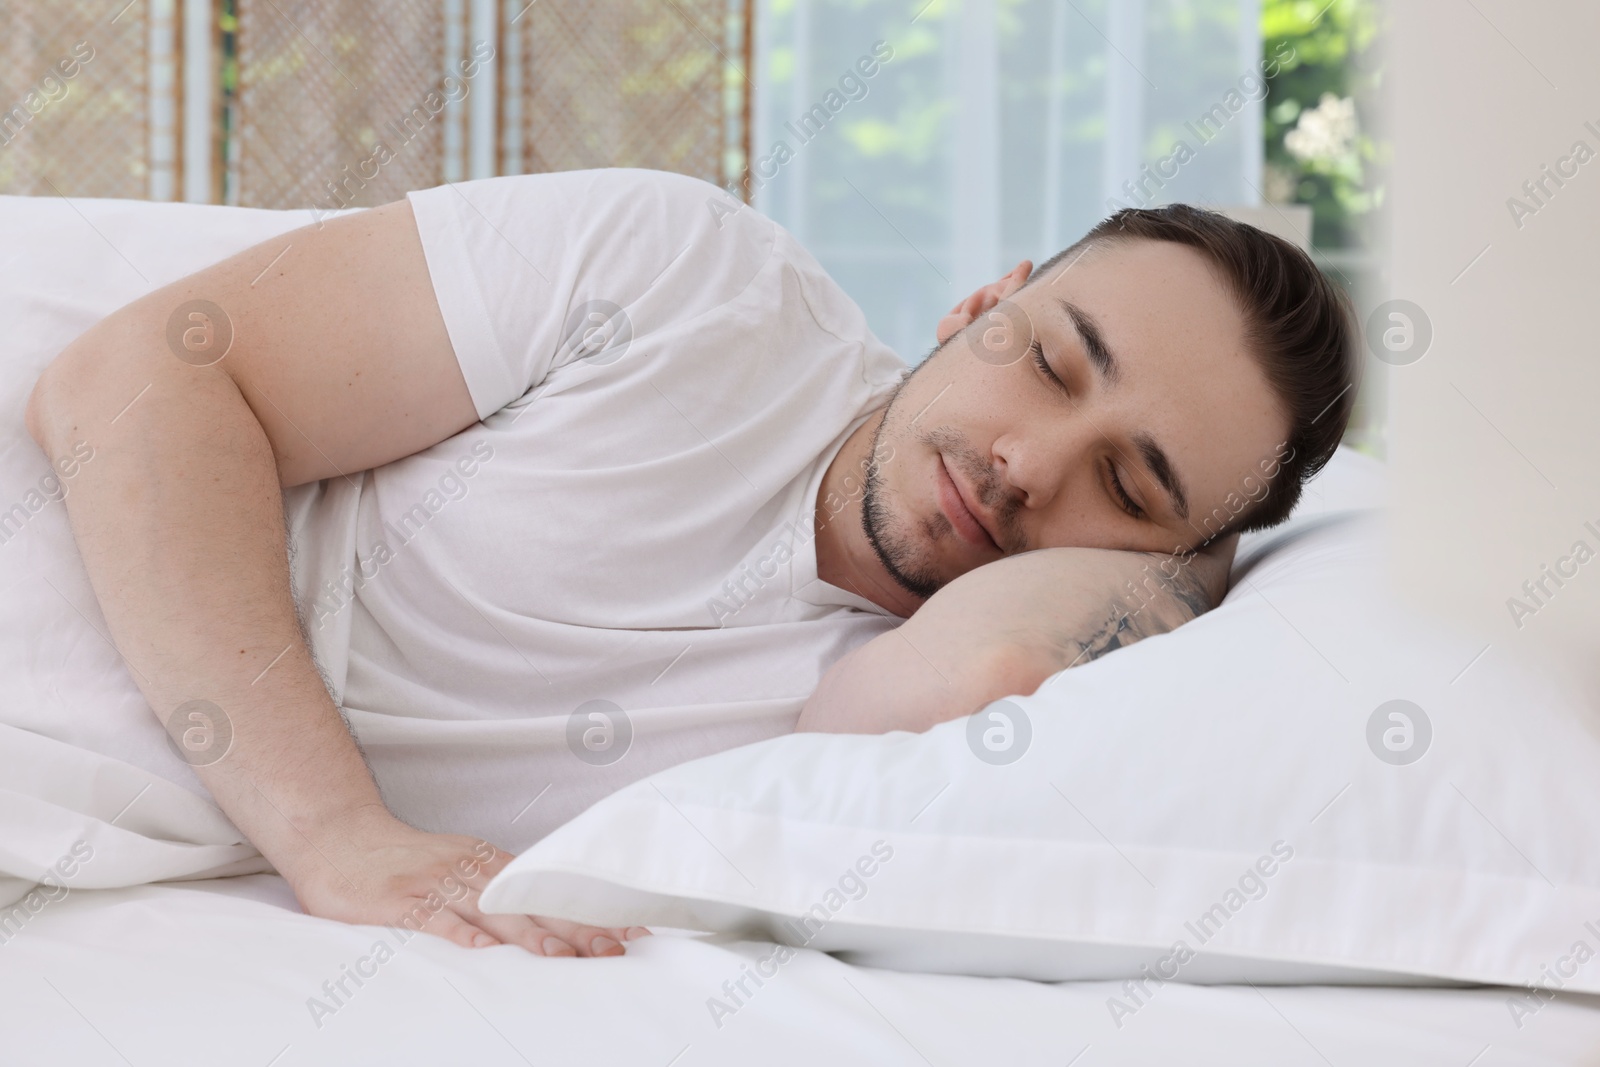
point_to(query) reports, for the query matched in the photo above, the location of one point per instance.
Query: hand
(1213, 564)
(964, 313)
(375, 869)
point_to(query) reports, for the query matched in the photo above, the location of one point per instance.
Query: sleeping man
(596, 472)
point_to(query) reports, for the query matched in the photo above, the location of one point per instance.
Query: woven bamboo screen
(350, 103)
(631, 83)
(74, 99)
(334, 107)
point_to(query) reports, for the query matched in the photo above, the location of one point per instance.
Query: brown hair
(1297, 322)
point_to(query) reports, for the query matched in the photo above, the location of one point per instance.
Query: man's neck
(845, 557)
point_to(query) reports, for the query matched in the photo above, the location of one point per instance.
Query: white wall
(1494, 429)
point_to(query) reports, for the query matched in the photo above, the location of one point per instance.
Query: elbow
(835, 707)
(92, 381)
(69, 382)
(64, 395)
(1002, 669)
(88, 376)
(31, 416)
(887, 684)
(51, 395)
(1011, 669)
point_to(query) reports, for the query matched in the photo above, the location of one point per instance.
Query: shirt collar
(807, 586)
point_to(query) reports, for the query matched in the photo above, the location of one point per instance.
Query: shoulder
(645, 201)
(714, 249)
(631, 212)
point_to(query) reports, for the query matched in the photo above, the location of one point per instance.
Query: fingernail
(635, 931)
(482, 941)
(602, 945)
(554, 946)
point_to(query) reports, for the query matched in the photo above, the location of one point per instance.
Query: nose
(1037, 463)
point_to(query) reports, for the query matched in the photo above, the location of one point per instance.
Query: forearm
(179, 521)
(1006, 627)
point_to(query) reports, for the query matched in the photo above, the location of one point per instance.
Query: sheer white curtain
(996, 130)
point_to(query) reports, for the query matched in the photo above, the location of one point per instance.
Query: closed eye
(1037, 351)
(1118, 491)
(1121, 493)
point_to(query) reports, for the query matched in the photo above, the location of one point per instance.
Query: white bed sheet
(219, 972)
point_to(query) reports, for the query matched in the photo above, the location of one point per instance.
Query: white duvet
(83, 764)
(230, 973)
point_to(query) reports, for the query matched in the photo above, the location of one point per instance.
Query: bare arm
(1005, 627)
(338, 361)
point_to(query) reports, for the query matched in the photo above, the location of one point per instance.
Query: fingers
(1016, 279)
(470, 928)
(949, 326)
(452, 927)
(558, 937)
(592, 940)
(970, 307)
(524, 931)
(1227, 544)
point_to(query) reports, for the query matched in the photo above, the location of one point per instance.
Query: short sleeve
(532, 271)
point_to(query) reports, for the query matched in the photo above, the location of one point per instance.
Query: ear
(982, 300)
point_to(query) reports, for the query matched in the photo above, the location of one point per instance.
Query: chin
(901, 541)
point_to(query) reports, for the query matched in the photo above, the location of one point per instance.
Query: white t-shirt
(625, 542)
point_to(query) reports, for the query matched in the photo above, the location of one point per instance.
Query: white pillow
(1229, 802)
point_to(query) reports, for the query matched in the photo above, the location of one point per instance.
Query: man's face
(1157, 394)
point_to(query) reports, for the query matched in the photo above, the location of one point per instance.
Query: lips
(962, 515)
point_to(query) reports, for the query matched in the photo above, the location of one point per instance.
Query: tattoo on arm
(1156, 605)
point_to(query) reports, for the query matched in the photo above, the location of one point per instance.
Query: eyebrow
(1161, 468)
(1105, 362)
(1094, 342)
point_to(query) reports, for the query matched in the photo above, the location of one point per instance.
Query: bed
(199, 969)
(221, 972)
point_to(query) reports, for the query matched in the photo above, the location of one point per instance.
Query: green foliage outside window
(1319, 111)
